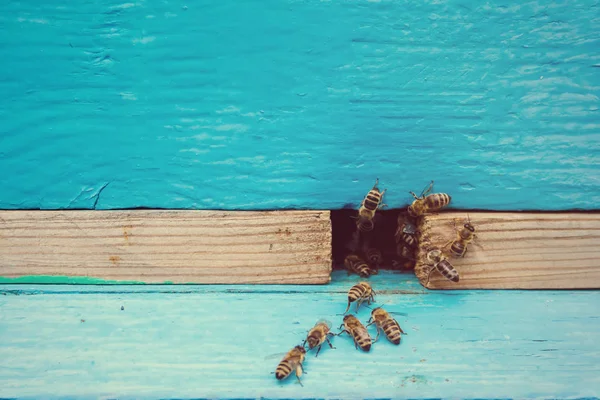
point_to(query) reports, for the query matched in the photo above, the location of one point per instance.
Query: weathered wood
(208, 341)
(166, 246)
(161, 104)
(516, 250)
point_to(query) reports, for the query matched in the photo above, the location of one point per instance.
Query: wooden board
(517, 250)
(165, 246)
(212, 341)
(163, 104)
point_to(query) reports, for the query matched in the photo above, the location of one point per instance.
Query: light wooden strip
(517, 250)
(154, 246)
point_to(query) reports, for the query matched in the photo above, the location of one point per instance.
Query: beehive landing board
(212, 341)
(517, 250)
(150, 246)
(271, 104)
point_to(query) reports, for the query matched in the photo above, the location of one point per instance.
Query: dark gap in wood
(343, 227)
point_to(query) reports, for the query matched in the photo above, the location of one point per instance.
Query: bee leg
(343, 332)
(377, 338)
(299, 381)
(329, 343)
(347, 308)
(447, 243)
(429, 276)
(304, 343)
(414, 195)
(318, 350)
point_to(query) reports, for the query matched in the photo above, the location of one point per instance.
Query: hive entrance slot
(382, 237)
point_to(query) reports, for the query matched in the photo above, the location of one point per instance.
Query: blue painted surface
(273, 104)
(212, 342)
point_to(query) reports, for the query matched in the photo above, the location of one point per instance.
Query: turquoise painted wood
(298, 104)
(212, 342)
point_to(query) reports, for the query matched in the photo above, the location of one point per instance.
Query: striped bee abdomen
(363, 340)
(372, 200)
(409, 239)
(283, 370)
(458, 248)
(356, 292)
(437, 200)
(446, 269)
(392, 330)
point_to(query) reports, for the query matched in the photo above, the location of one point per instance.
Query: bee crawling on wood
(292, 361)
(439, 262)
(427, 203)
(368, 207)
(357, 330)
(384, 321)
(464, 236)
(359, 293)
(356, 264)
(318, 335)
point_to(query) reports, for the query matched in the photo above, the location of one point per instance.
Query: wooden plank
(498, 104)
(211, 342)
(155, 246)
(517, 250)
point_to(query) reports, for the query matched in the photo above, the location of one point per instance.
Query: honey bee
(442, 265)
(464, 236)
(427, 203)
(292, 361)
(384, 321)
(357, 330)
(406, 232)
(318, 335)
(360, 292)
(356, 264)
(367, 209)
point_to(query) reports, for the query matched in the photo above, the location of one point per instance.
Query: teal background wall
(298, 104)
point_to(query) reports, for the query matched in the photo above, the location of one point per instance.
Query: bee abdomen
(458, 248)
(283, 370)
(372, 200)
(409, 239)
(364, 342)
(446, 269)
(437, 200)
(355, 293)
(392, 331)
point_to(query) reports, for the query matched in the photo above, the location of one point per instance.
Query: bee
(406, 232)
(360, 292)
(367, 209)
(318, 335)
(427, 203)
(442, 265)
(464, 236)
(374, 257)
(292, 361)
(384, 321)
(357, 330)
(356, 264)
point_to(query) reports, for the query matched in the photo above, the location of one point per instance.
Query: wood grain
(212, 341)
(517, 250)
(153, 246)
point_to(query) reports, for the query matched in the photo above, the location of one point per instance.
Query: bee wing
(276, 355)
(324, 321)
(409, 228)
